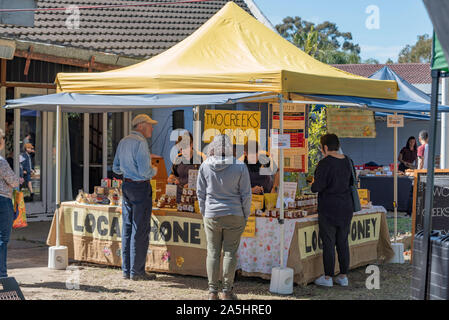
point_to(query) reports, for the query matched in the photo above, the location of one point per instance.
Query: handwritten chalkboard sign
(440, 212)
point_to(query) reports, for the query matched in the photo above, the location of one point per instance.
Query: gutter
(73, 56)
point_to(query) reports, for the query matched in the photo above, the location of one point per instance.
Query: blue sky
(400, 21)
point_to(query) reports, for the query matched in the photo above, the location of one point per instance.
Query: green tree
(317, 128)
(389, 61)
(420, 52)
(371, 61)
(307, 41)
(324, 41)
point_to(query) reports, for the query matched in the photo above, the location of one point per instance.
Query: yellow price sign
(250, 229)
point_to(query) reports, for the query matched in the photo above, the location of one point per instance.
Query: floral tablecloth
(262, 253)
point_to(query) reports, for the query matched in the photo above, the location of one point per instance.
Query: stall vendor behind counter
(261, 179)
(187, 159)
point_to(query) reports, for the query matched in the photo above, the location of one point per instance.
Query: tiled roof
(414, 73)
(129, 31)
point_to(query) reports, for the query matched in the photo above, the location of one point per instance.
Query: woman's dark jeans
(6, 220)
(334, 236)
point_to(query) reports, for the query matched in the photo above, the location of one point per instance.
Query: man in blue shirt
(133, 161)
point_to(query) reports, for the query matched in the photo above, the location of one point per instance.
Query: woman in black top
(332, 181)
(408, 155)
(261, 180)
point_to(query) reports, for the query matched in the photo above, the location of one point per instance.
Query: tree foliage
(324, 41)
(371, 61)
(420, 52)
(317, 128)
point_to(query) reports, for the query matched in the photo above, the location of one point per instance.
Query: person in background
(423, 150)
(27, 138)
(408, 155)
(224, 196)
(27, 167)
(187, 159)
(133, 161)
(8, 181)
(332, 181)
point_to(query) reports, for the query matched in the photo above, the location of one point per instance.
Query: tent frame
(428, 203)
(272, 97)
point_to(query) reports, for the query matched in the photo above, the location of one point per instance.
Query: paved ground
(27, 262)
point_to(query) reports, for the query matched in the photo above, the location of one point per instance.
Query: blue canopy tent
(93, 103)
(411, 101)
(407, 92)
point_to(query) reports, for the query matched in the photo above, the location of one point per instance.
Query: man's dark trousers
(136, 218)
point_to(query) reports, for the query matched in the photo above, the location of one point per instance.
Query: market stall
(380, 183)
(185, 76)
(382, 189)
(177, 241)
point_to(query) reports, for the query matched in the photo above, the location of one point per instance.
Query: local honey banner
(104, 225)
(364, 228)
(351, 123)
(242, 123)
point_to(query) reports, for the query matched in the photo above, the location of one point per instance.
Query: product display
(288, 214)
(110, 193)
(188, 201)
(385, 171)
(166, 202)
(307, 203)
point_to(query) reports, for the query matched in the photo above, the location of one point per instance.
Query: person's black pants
(334, 236)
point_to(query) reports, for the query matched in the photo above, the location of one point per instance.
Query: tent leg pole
(17, 121)
(428, 202)
(196, 129)
(105, 145)
(58, 255)
(58, 170)
(281, 181)
(86, 153)
(444, 160)
(395, 170)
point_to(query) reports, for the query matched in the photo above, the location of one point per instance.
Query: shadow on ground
(63, 286)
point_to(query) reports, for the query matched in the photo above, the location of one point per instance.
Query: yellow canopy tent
(231, 52)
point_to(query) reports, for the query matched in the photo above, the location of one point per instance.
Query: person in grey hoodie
(224, 196)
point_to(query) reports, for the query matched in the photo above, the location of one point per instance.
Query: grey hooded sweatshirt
(224, 188)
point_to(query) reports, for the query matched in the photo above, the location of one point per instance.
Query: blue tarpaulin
(407, 92)
(382, 105)
(411, 102)
(92, 103)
